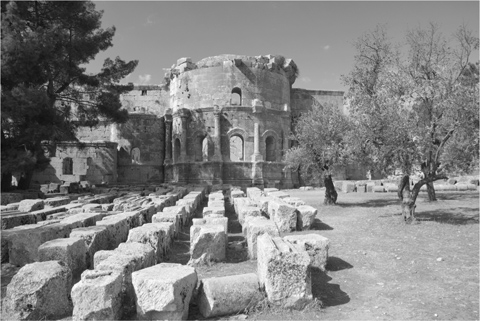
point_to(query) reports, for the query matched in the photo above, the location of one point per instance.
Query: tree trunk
(330, 192)
(408, 198)
(6, 182)
(24, 182)
(431, 192)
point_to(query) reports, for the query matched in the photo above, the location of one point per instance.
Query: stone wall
(146, 99)
(79, 161)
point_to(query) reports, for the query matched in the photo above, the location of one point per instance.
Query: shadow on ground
(337, 264)
(455, 216)
(371, 203)
(330, 294)
(320, 226)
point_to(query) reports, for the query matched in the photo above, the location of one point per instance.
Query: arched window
(67, 168)
(236, 149)
(136, 155)
(236, 98)
(176, 153)
(270, 149)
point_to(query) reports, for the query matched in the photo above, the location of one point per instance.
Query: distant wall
(146, 99)
(304, 100)
(95, 162)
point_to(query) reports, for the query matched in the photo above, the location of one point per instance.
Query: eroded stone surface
(40, 290)
(315, 245)
(228, 295)
(98, 296)
(207, 244)
(284, 215)
(163, 291)
(305, 217)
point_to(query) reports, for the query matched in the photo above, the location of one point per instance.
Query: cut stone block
(256, 228)
(90, 208)
(228, 295)
(24, 243)
(305, 217)
(294, 201)
(378, 189)
(39, 291)
(216, 197)
(98, 296)
(315, 245)
(164, 291)
(96, 238)
(239, 202)
(284, 270)
(348, 187)
(30, 205)
(266, 191)
(207, 244)
(117, 227)
(83, 219)
(254, 193)
(461, 187)
(56, 201)
(213, 210)
(263, 204)
(15, 219)
(248, 211)
(155, 235)
(237, 193)
(71, 251)
(361, 188)
(178, 210)
(284, 215)
(174, 218)
(216, 204)
(391, 188)
(278, 195)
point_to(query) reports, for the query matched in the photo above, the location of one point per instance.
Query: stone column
(183, 138)
(217, 156)
(256, 157)
(168, 138)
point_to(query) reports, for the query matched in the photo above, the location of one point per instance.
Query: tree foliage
(319, 135)
(411, 109)
(46, 92)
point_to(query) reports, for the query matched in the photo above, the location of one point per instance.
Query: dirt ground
(378, 268)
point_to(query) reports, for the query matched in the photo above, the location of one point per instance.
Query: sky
(317, 35)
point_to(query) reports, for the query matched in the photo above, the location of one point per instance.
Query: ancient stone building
(225, 119)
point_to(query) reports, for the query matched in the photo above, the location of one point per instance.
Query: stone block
(154, 234)
(15, 219)
(391, 188)
(461, 187)
(263, 204)
(237, 193)
(89, 208)
(315, 245)
(257, 227)
(98, 296)
(56, 201)
(164, 291)
(207, 244)
(217, 196)
(174, 218)
(267, 191)
(305, 217)
(452, 181)
(117, 227)
(216, 204)
(254, 193)
(348, 187)
(72, 251)
(370, 187)
(378, 189)
(30, 205)
(361, 188)
(472, 187)
(294, 201)
(178, 210)
(23, 244)
(278, 195)
(228, 295)
(96, 238)
(248, 211)
(44, 214)
(284, 270)
(240, 202)
(83, 219)
(213, 210)
(284, 215)
(39, 291)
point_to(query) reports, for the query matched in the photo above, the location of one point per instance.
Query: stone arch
(271, 142)
(236, 97)
(236, 139)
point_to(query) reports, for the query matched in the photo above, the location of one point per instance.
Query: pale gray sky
(317, 35)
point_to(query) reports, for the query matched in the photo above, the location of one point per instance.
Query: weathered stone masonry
(225, 119)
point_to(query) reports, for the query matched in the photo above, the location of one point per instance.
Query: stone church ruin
(223, 120)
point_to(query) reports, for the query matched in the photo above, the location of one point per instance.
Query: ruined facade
(225, 119)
